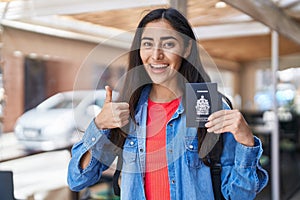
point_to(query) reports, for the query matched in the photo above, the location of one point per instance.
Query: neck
(162, 94)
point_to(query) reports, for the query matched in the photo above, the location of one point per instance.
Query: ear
(187, 50)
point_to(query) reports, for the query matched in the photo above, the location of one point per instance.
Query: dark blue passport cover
(202, 99)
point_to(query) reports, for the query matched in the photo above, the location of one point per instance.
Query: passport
(202, 99)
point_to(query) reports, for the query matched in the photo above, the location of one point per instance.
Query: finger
(120, 114)
(124, 114)
(123, 123)
(119, 108)
(223, 118)
(221, 113)
(223, 129)
(122, 106)
(108, 97)
(233, 117)
(118, 123)
(220, 119)
(219, 126)
(124, 117)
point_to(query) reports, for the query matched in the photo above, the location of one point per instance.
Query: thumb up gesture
(113, 114)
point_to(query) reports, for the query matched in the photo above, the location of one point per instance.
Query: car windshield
(60, 101)
(66, 104)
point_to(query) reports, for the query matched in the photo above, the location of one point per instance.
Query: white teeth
(158, 66)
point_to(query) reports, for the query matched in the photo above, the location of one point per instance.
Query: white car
(59, 121)
(89, 108)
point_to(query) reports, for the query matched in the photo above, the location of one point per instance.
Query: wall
(248, 76)
(69, 65)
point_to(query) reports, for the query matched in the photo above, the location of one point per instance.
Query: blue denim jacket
(242, 176)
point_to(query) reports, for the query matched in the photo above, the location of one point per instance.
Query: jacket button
(141, 150)
(191, 146)
(173, 181)
(131, 143)
(93, 139)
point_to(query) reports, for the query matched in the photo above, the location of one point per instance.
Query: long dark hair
(191, 68)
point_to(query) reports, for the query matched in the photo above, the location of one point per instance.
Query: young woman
(147, 126)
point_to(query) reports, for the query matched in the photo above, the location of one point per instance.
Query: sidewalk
(35, 176)
(10, 148)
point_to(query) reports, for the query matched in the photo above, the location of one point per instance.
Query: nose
(157, 53)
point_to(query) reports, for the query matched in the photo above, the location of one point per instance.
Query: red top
(156, 176)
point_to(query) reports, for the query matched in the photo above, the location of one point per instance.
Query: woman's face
(161, 51)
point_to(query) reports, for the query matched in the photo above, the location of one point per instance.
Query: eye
(146, 44)
(168, 45)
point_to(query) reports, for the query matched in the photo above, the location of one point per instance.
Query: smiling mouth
(160, 66)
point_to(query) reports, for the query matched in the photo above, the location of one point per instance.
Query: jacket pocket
(130, 150)
(191, 152)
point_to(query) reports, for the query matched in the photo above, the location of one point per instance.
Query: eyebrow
(162, 38)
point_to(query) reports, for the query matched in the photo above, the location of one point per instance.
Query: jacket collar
(143, 104)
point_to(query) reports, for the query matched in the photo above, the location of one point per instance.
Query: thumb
(108, 97)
